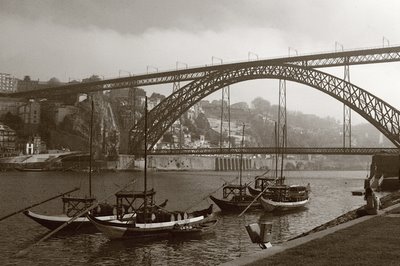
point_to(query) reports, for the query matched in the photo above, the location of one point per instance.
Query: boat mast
(145, 158)
(90, 150)
(283, 146)
(241, 163)
(276, 153)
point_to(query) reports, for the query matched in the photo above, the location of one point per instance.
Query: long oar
(256, 198)
(37, 204)
(26, 250)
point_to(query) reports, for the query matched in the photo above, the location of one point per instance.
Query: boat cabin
(126, 201)
(236, 193)
(263, 182)
(288, 193)
(73, 205)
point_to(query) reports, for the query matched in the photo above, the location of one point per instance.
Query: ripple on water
(330, 198)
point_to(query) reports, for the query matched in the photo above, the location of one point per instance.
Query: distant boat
(25, 169)
(235, 197)
(150, 220)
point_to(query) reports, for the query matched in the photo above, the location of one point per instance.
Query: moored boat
(156, 224)
(235, 197)
(150, 220)
(282, 197)
(54, 221)
(285, 197)
(73, 205)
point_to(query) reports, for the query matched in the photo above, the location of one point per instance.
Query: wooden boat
(81, 223)
(235, 197)
(156, 224)
(239, 200)
(185, 231)
(150, 220)
(260, 184)
(285, 198)
(73, 205)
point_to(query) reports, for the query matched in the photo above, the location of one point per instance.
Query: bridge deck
(350, 57)
(273, 150)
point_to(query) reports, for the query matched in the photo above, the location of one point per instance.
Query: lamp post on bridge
(338, 45)
(251, 53)
(121, 70)
(151, 67)
(216, 58)
(385, 40)
(182, 63)
(291, 48)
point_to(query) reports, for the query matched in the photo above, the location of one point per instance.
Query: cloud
(75, 39)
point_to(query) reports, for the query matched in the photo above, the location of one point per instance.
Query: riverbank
(349, 239)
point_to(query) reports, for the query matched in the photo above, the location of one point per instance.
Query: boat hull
(270, 205)
(234, 206)
(52, 222)
(116, 229)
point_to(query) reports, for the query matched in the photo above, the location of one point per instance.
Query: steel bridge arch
(379, 113)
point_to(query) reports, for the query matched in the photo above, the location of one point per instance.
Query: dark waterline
(330, 197)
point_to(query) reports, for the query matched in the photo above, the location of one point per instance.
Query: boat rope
(37, 204)
(94, 205)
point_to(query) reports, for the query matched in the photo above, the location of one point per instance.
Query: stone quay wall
(208, 163)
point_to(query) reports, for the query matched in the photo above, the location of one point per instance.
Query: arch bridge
(207, 79)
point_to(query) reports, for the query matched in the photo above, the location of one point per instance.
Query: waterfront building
(7, 141)
(35, 145)
(8, 83)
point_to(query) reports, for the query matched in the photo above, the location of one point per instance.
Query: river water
(330, 197)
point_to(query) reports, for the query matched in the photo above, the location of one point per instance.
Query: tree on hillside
(54, 81)
(261, 105)
(13, 121)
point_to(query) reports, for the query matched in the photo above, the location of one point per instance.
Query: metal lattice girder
(354, 57)
(273, 150)
(382, 115)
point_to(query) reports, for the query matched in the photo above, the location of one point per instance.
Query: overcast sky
(75, 39)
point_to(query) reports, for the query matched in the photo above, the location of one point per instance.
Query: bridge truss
(206, 80)
(379, 113)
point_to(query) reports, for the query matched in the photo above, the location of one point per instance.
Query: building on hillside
(27, 84)
(35, 146)
(30, 115)
(154, 100)
(7, 141)
(7, 83)
(194, 112)
(10, 105)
